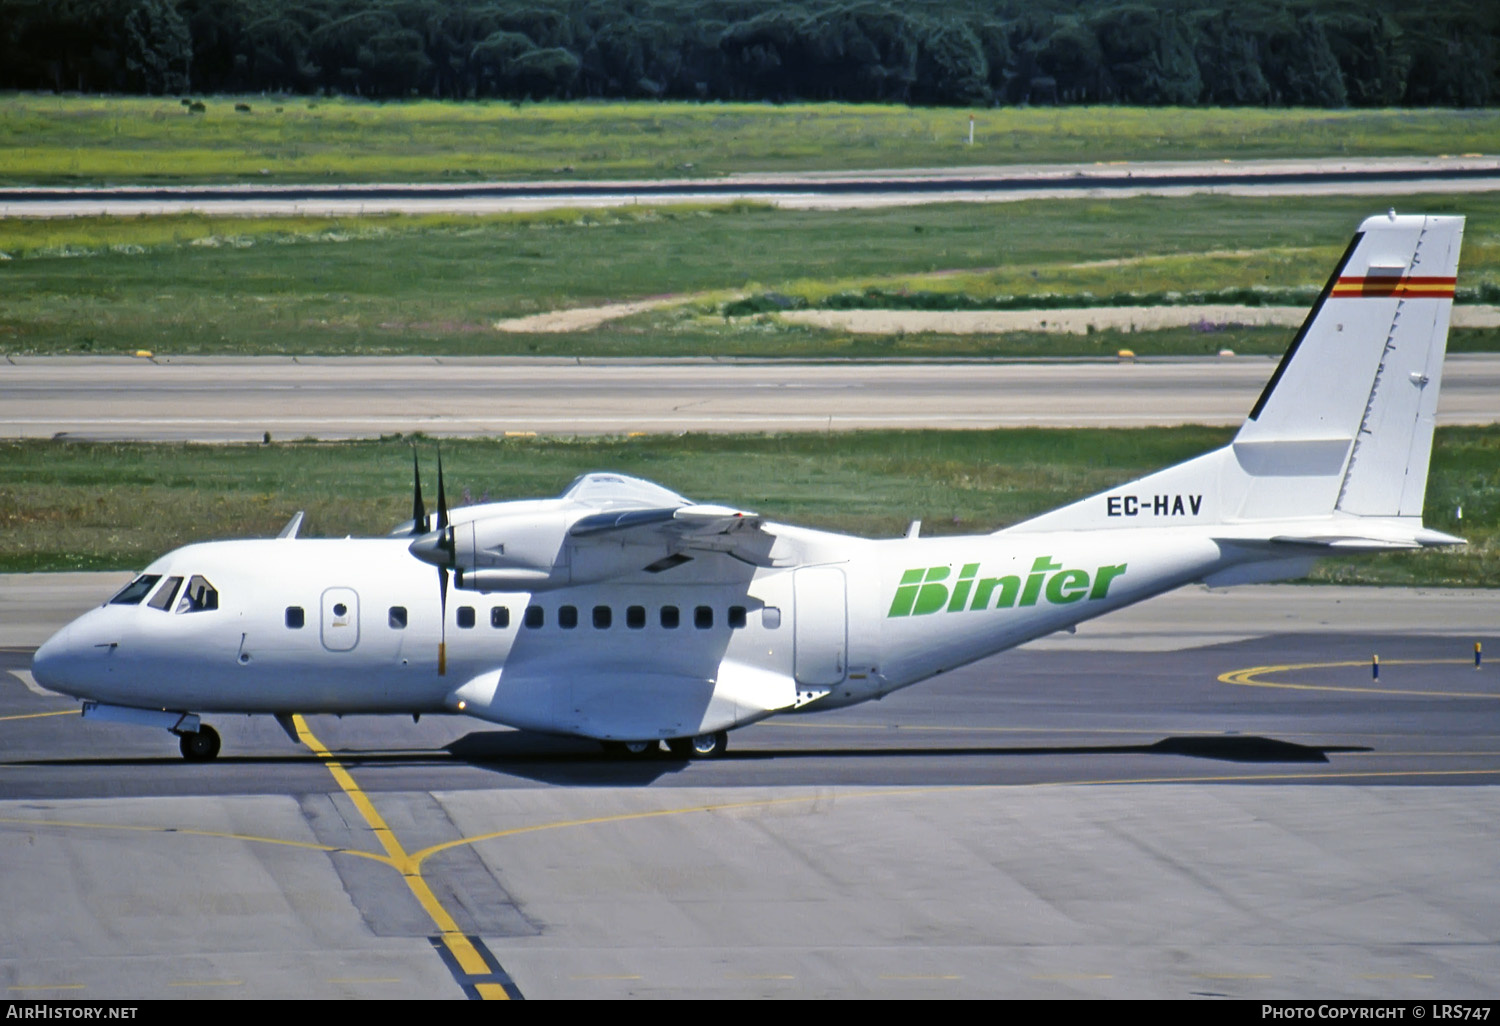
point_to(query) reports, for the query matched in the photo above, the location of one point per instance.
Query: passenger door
(821, 625)
(340, 621)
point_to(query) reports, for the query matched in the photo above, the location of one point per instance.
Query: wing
(603, 526)
(693, 527)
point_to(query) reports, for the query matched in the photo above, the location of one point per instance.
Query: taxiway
(1114, 813)
(1384, 176)
(241, 399)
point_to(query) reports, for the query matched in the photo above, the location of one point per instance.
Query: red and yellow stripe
(1383, 286)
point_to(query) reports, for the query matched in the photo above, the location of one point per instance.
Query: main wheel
(631, 749)
(199, 747)
(704, 746)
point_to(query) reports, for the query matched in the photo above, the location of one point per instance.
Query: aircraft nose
(73, 661)
(49, 663)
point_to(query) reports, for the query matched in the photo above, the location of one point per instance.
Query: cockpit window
(165, 594)
(199, 596)
(132, 593)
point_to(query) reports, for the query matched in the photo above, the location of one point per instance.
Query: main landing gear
(703, 746)
(199, 746)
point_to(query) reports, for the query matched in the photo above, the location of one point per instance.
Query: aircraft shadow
(562, 761)
(572, 762)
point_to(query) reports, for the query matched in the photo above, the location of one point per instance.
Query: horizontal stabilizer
(1344, 535)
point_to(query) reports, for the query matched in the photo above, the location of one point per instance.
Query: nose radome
(48, 664)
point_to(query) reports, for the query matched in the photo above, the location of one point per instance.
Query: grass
(71, 506)
(94, 140)
(407, 284)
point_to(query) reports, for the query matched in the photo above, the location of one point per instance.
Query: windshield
(199, 596)
(165, 594)
(132, 593)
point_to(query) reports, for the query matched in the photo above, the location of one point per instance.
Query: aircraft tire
(705, 746)
(199, 747)
(630, 749)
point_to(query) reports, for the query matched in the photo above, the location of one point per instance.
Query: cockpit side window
(199, 596)
(132, 593)
(165, 594)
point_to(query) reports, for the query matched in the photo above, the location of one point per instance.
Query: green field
(436, 285)
(93, 140)
(67, 506)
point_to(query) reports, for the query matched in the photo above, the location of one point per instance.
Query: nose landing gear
(200, 745)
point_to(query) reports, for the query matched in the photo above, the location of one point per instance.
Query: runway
(1313, 176)
(240, 399)
(1115, 813)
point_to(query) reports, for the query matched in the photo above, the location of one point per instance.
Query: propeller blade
(443, 621)
(450, 549)
(442, 520)
(418, 508)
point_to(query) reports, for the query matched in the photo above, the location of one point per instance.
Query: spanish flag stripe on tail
(1382, 286)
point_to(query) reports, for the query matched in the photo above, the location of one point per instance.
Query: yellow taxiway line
(1251, 678)
(454, 939)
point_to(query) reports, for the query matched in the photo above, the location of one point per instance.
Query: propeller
(449, 549)
(436, 546)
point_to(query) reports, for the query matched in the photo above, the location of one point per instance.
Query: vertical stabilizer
(1361, 379)
(1343, 429)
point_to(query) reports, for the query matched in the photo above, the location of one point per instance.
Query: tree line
(1326, 53)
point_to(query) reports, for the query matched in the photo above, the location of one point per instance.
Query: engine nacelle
(529, 543)
(528, 551)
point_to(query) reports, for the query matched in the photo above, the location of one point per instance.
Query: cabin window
(199, 596)
(669, 617)
(736, 616)
(500, 616)
(567, 617)
(165, 594)
(295, 617)
(770, 618)
(603, 617)
(132, 593)
(397, 618)
(466, 616)
(703, 617)
(535, 616)
(635, 617)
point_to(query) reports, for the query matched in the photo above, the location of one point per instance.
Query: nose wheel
(200, 746)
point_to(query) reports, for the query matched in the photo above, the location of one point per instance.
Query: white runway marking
(25, 677)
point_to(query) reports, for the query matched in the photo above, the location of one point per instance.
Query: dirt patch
(581, 318)
(1063, 322)
(1076, 321)
(1081, 321)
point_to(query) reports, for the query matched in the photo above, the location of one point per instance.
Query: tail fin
(1344, 427)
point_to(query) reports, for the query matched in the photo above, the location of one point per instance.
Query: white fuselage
(352, 626)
